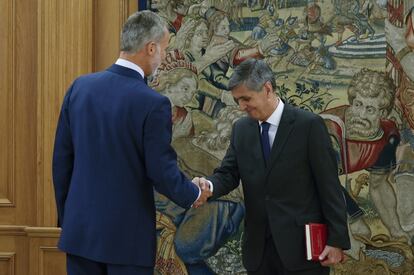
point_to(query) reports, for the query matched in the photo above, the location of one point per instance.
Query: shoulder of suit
(302, 114)
(139, 88)
(243, 121)
(89, 77)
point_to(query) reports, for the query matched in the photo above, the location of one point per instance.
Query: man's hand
(202, 183)
(331, 255)
(205, 191)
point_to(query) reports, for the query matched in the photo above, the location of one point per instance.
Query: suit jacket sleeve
(62, 165)
(324, 169)
(161, 159)
(226, 177)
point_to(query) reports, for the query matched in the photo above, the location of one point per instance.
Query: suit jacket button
(267, 198)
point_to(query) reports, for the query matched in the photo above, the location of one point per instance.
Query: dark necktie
(265, 140)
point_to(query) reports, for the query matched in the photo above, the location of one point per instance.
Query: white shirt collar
(130, 65)
(275, 117)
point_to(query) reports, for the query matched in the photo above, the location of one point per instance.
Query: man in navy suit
(284, 158)
(112, 148)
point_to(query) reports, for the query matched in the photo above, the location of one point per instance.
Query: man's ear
(151, 48)
(268, 87)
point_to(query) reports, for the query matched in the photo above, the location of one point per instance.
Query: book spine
(308, 242)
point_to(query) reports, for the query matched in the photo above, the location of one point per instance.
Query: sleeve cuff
(199, 194)
(211, 186)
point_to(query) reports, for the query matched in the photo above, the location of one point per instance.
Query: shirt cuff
(210, 185)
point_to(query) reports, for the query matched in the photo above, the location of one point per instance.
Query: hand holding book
(316, 235)
(316, 248)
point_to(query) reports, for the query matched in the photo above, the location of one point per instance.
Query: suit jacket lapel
(283, 131)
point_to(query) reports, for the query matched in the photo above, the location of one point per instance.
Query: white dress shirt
(274, 121)
(130, 65)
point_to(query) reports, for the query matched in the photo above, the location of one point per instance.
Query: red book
(316, 235)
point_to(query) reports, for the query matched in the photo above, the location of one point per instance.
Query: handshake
(206, 192)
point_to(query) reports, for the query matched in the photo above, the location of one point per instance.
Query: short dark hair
(253, 73)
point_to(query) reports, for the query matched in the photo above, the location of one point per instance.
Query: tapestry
(350, 61)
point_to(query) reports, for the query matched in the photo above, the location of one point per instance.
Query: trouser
(81, 266)
(272, 264)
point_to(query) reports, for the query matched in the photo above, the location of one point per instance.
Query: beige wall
(44, 45)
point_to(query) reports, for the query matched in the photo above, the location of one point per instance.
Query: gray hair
(140, 28)
(253, 73)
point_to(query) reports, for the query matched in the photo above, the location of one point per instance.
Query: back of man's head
(140, 28)
(253, 73)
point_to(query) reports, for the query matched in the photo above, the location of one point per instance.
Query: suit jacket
(112, 148)
(299, 185)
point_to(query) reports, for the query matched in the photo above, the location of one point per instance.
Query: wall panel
(24, 93)
(64, 52)
(44, 46)
(7, 23)
(13, 251)
(109, 17)
(45, 258)
(7, 263)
